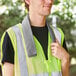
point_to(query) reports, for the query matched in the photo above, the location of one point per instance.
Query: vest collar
(28, 36)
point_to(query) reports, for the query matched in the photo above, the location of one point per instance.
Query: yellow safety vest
(36, 65)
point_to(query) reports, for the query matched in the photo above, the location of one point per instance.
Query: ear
(27, 1)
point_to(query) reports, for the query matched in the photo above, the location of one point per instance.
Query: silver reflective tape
(57, 34)
(28, 37)
(21, 53)
(42, 74)
(51, 33)
(56, 74)
(54, 33)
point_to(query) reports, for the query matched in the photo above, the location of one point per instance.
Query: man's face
(41, 7)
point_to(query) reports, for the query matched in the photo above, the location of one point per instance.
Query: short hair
(26, 6)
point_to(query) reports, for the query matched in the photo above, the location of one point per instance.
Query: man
(49, 58)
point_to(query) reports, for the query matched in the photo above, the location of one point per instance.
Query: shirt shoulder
(7, 50)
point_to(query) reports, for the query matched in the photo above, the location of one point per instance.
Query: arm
(8, 69)
(65, 65)
(8, 56)
(59, 52)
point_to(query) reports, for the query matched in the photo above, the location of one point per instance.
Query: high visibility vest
(35, 65)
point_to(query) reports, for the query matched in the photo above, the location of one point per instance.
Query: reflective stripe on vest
(56, 74)
(46, 74)
(54, 33)
(51, 33)
(21, 53)
(57, 34)
(42, 74)
(28, 36)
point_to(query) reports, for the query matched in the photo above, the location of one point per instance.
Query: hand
(58, 51)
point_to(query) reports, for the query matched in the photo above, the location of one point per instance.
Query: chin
(44, 12)
(47, 13)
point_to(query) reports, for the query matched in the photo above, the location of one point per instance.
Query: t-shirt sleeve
(7, 49)
(64, 45)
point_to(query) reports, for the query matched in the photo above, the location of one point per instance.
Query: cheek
(37, 4)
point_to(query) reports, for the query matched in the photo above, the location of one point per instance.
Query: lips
(47, 5)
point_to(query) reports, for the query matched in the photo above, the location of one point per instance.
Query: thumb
(57, 41)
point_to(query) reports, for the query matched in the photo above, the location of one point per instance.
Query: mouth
(48, 5)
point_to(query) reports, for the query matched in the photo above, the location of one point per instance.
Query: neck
(37, 20)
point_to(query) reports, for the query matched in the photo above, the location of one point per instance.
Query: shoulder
(4, 39)
(11, 30)
(11, 35)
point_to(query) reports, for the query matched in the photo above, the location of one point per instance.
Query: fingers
(54, 51)
(55, 47)
(55, 43)
(58, 51)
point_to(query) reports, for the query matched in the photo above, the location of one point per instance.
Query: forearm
(65, 66)
(8, 69)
